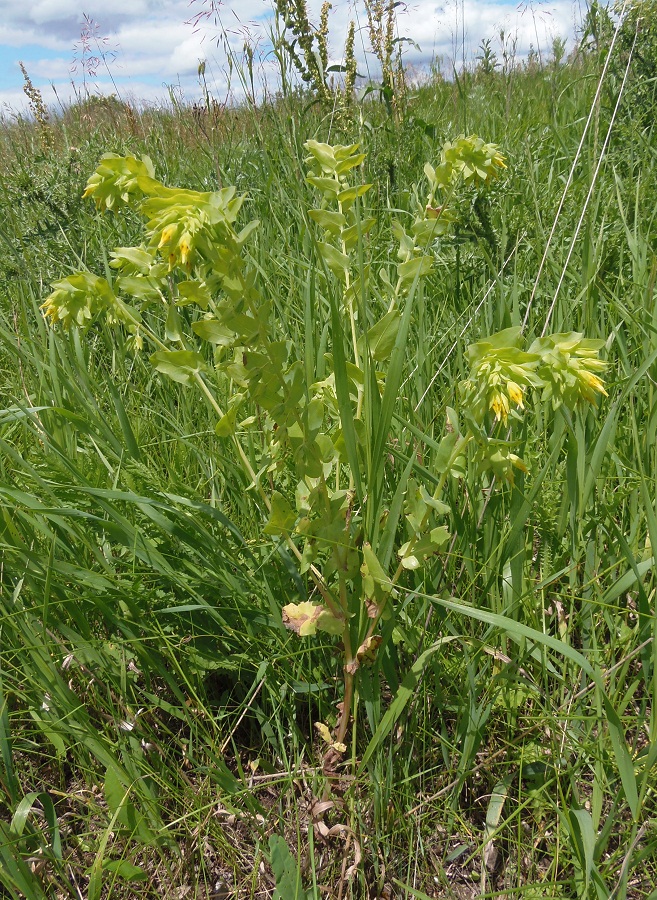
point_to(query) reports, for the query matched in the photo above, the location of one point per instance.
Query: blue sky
(151, 45)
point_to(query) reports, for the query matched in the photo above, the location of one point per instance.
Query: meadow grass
(156, 719)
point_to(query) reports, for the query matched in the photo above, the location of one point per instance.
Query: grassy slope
(147, 694)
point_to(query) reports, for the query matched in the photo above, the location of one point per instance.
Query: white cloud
(50, 11)
(19, 36)
(157, 46)
(186, 56)
(10, 103)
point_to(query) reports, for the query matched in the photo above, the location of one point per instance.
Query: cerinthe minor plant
(313, 452)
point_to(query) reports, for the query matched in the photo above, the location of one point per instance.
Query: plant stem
(343, 722)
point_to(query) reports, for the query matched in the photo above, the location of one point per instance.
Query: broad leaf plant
(357, 531)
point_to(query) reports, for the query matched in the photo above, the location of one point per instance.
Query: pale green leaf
(282, 517)
(337, 262)
(179, 365)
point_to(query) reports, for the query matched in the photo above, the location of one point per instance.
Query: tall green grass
(156, 719)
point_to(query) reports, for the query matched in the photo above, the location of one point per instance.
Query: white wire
(464, 329)
(590, 191)
(558, 213)
(575, 162)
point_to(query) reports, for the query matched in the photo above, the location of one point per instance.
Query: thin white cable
(575, 162)
(590, 191)
(464, 329)
(556, 218)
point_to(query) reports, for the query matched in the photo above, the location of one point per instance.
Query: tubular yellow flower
(50, 309)
(77, 299)
(592, 385)
(167, 235)
(515, 393)
(499, 403)
(185, 249)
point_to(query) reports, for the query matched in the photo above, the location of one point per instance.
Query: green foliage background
(156, 719)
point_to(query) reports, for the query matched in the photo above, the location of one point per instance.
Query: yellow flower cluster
(565, 366)
(570, 367)
(501, 397)
(177, 242)
(500, 374)
(472, 160)
(76, 300)
(118, 179)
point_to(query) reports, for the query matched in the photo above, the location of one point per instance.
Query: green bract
(119, 180)
(77, 300)
(569, 368)
(500, 373)
(471, 160)
(309, 618)
(188, 227)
